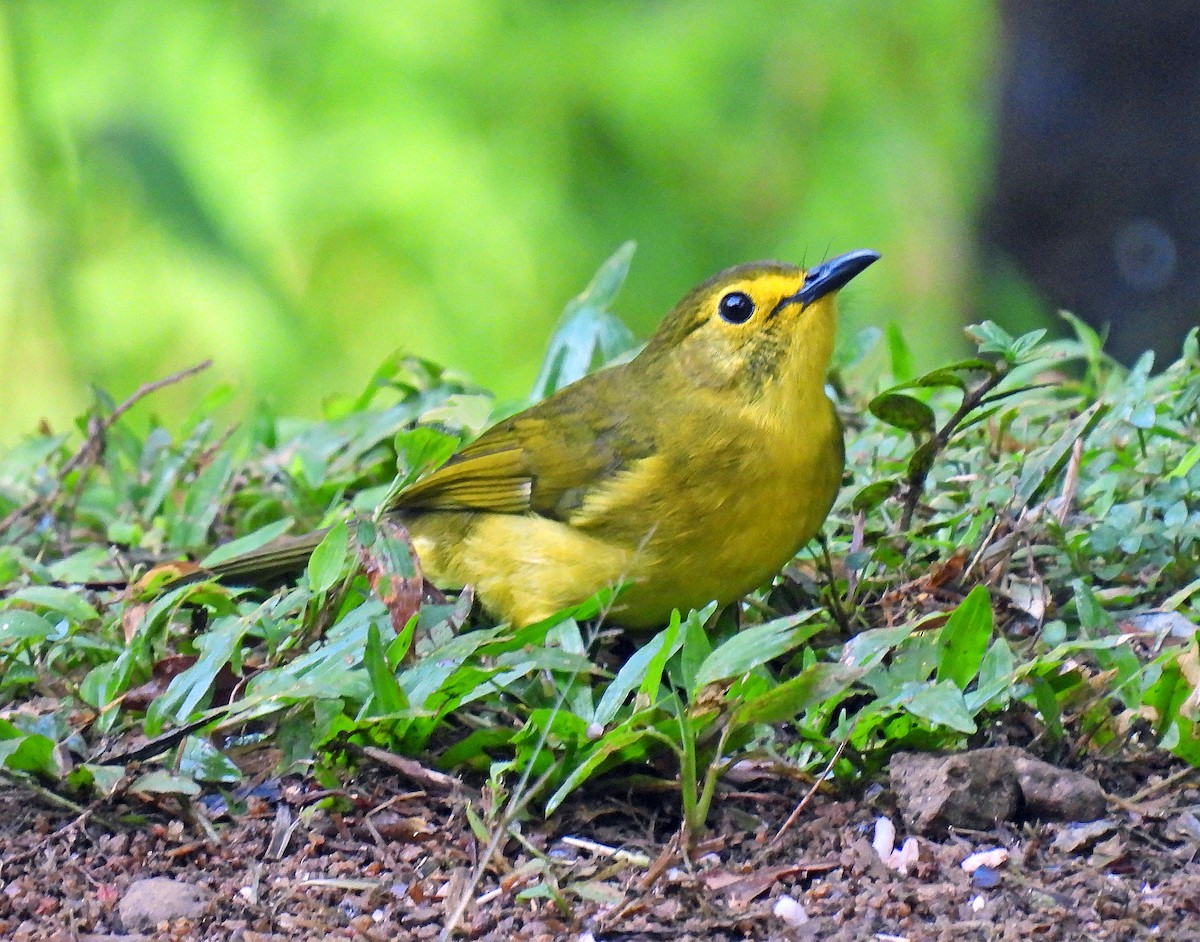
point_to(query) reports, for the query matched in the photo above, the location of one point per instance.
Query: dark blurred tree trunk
(1097, 189)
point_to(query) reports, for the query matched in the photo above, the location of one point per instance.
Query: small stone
(968, 790)
(1054, 794)
(790, 911)
(1078, 837)
(160, 899)
(996, 857)
(985, 878)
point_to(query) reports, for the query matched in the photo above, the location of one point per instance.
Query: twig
(76, 822)
(835, 603)
(89, 450)
(158, 745)
(147, 388)
(983, 547)
(915, 484)
(804, 802)
(45, 794)
(1071, 482)
(603, 850)
(1171, 780)
(413, 770)
(857, 540)
(82, 815)
(667, 856)
(522, 796)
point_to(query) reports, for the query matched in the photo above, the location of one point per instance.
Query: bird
(690, 474)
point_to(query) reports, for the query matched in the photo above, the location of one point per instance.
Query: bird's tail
(278, 561)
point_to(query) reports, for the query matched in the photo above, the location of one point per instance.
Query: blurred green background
(296, 188)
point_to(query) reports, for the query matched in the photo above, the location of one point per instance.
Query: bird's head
(765, 327)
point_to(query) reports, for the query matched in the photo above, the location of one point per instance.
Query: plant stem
(914, 486)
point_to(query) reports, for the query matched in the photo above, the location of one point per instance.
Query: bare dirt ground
(398, 859)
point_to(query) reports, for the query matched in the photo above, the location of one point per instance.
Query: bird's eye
(736, 307)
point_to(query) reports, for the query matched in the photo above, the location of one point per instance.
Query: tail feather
(278, 561)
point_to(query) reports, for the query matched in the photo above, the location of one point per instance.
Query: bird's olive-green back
(546, 459)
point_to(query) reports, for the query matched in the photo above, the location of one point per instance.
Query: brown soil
(396, 860)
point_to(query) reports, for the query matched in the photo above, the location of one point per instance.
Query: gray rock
(978, 789)
(1054, 794)
(160, 899)
(968, 790)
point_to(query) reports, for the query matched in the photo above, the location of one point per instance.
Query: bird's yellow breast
(719, 542)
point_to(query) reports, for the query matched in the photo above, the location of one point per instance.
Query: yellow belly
(523, 567)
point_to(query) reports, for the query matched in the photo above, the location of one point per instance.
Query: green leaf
(631, 676)
(421, 450)
(941, 377)
(18, 673)
(103, 778)
(325, 673)
(399, 646)
(587, 335)
(613, 742)
(903, 412)
(868, 648)
(18, 625)
(992, 338)
(248, 543)
(754, 646)
(941, 703)
(1186, 463)
(164, 783)
(428, 676)
(1025, 344)
(784, 702)
(922, 459)
(914, 660)
(971, 365)
(202, 502)
(965, 638)
(63, 601)
(1093, 619)
(874, 494)
(1182, 738)
(387, 542)
(901, 356)
(199, 759)
(996, 678)
(188, 690)
(91, 564)
(697, 646)
(1047, 704)
(101, 685)
(27, 753)
(672, 639)
(1045, 464)
(327, 565)
(387, 697)
(1091, 341)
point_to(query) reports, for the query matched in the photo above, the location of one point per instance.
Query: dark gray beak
(829, 276)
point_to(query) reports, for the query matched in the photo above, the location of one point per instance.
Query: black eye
(736, 307)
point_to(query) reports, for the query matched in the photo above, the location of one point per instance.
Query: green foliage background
(296, 187)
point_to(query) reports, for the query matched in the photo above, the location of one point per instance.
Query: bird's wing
(545, 460)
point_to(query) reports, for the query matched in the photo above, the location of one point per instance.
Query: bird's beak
(830, 276)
